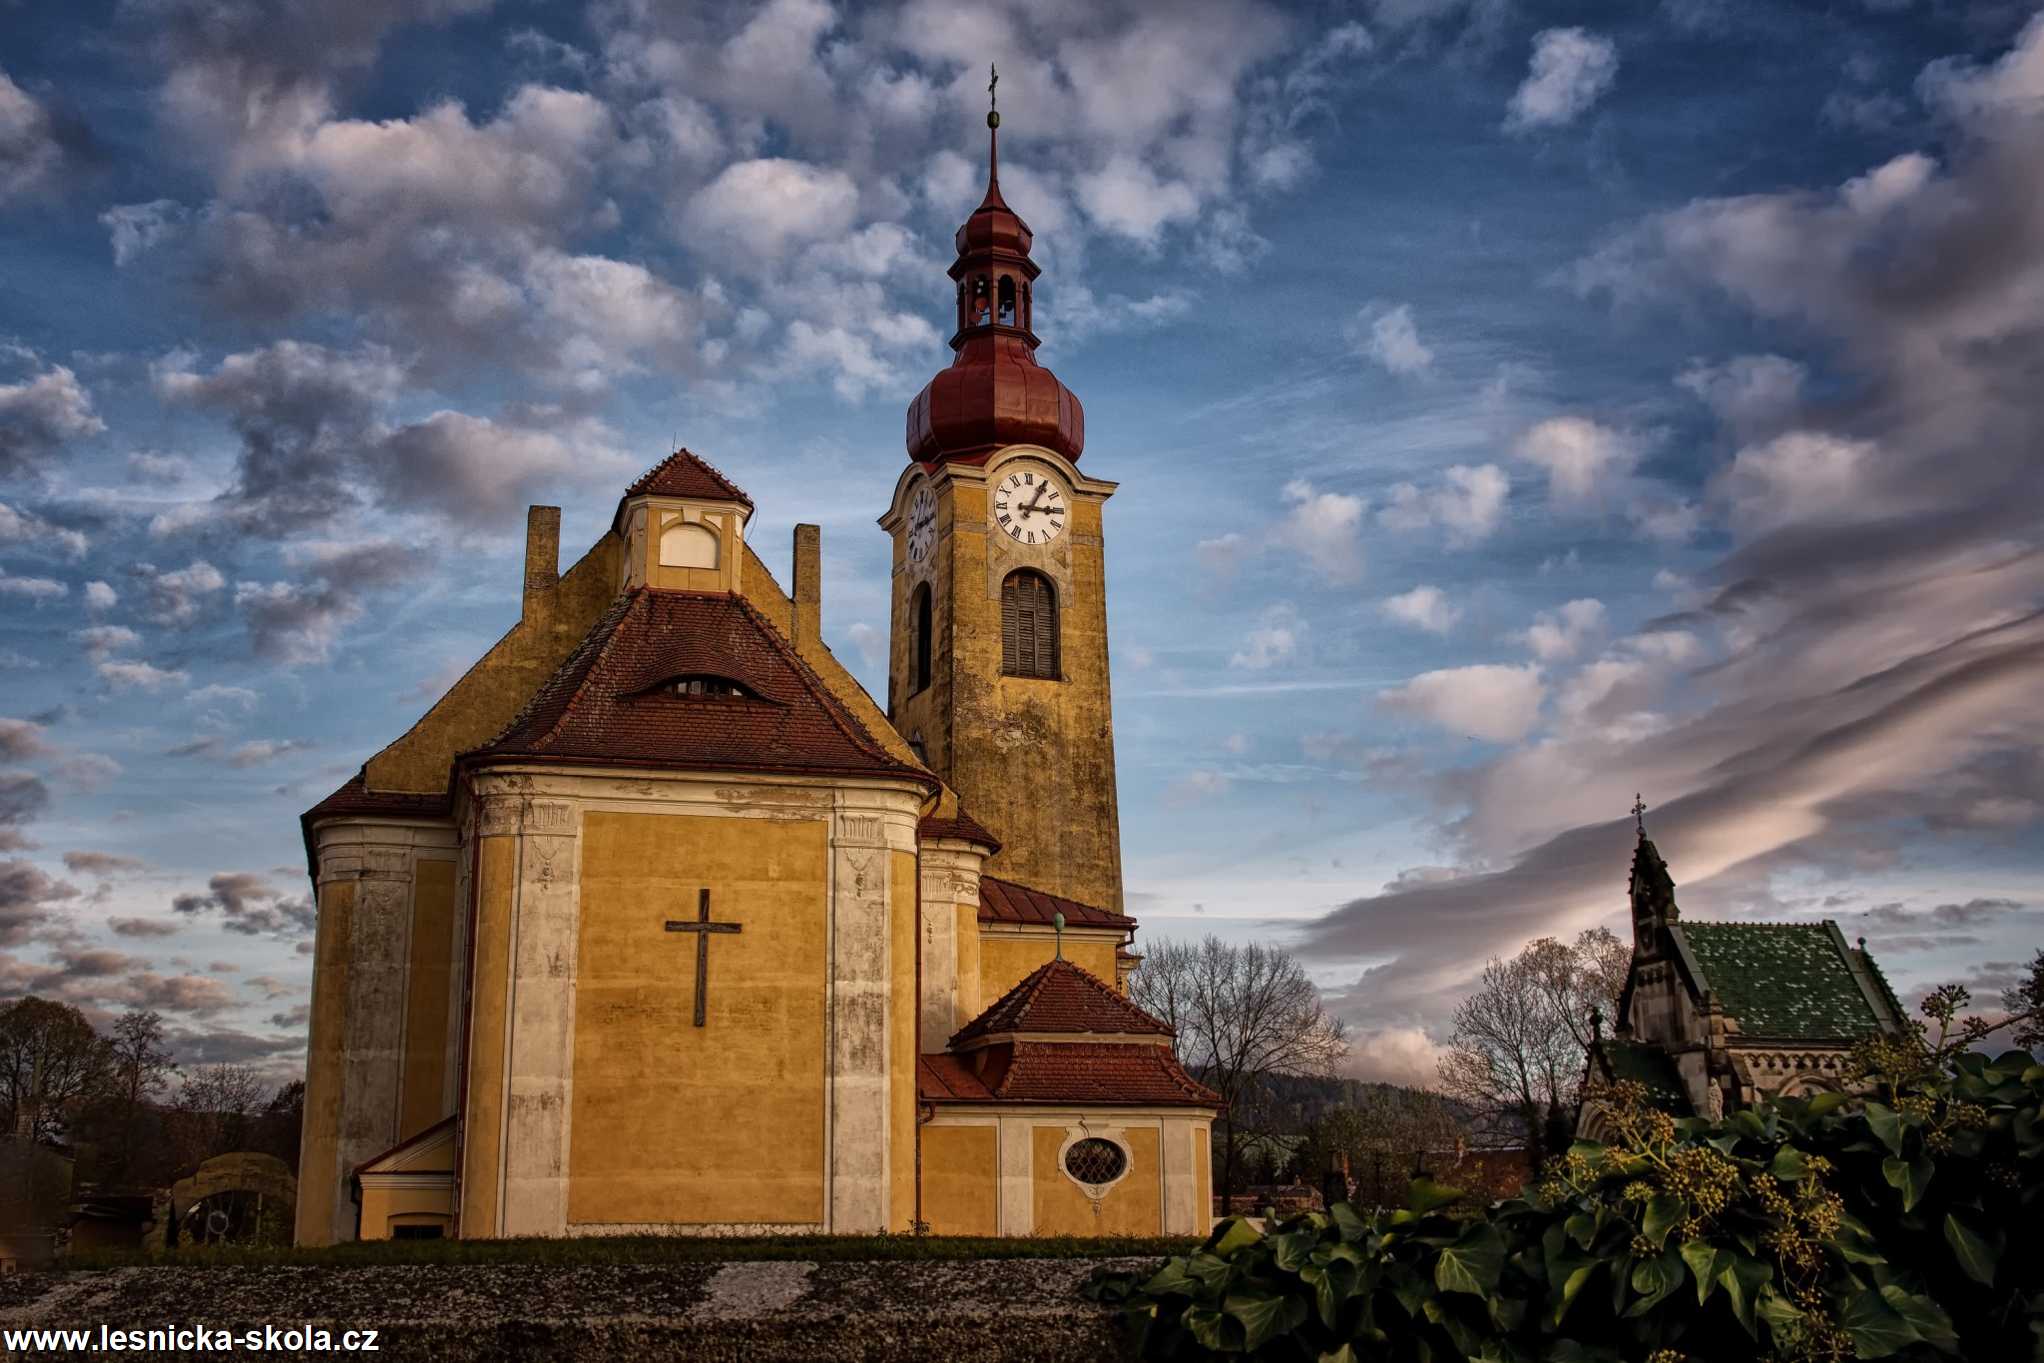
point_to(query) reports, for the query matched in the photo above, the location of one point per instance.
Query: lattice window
(1094, 1160)
(1029, 634)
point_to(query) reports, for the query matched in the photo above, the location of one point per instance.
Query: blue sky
(1515, 406)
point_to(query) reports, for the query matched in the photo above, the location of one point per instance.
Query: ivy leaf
(1976, 1254)
(1924, 1316)
(1582, 1228)
(1780, 1314)
(1743, 1278)
(1877, 1329)
(1654, 1280)
(1886, 1124)
(1231, 1235)
(1264, 1318)
(1345, 1354)
(1171, 1279)
(1911, 1177)
(1855, 1243)
(1214, 1330)
(1572, 1285)
(1703, 1259)
(1790, 1164)
(1427, 1195)
(1664, 1213)
(1351, 1226)
(1473, 1263)
(1292, 1250)
(1824, 1103)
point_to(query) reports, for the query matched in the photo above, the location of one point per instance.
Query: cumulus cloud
(249, 753)
(1469, 504)
(29, 148)
(1424, 607)
(27, 895)
(36, 591)
(1387, 336)
(1489, 701)
(1749, 393)
(145, 927)
(103, 865)
(758, 211)
(1583, 459)
(1571, 68)
(27, 530)
(40, 412)
(22, 739)
(1798, 477)
(100, 596)
(136, 675)
(1275, 640)
(1562, 633)
(1326, 529)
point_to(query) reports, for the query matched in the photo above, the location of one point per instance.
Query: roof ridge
(638, 484)
(605, 630)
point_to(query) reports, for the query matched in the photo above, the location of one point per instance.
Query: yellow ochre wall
(432, 946)
(482, 1127)
(1004, 960)
(381, 1205)
(971, 1001)
(319, 1153)
(902, 1053)
(668, 1116)
(1130, 1207)
(961, 1180)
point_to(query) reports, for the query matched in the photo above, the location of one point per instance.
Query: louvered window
(922, 639)
(1029, 626)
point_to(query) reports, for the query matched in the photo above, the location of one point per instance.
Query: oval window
(1094, 1160)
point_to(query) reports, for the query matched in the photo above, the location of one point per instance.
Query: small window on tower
(706, 686)
(1007, 314)
(1029, 633)
(922, 640)
(982, 301)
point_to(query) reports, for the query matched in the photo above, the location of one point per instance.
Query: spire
(995, 393)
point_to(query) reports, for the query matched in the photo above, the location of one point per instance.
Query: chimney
(808, 623)
(542, 557)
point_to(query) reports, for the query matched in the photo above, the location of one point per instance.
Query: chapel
(658, 921)
(1715, 1017)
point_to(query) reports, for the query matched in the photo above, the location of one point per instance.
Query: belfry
(656, 921)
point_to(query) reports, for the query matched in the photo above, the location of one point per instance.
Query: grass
(642, 1250)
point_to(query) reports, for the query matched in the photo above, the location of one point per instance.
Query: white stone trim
(1114, 1134)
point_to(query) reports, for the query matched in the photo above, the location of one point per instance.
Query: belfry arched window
(922, 638)
(1006, 315)
(1029, 634)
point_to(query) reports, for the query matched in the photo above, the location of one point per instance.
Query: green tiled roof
(1785, 981)
(1651, 1066)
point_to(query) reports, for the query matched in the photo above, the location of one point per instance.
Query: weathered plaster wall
(645, 1077)
(950, 872)
(369, 971)
(426, 995)
(903, 1007)
(961, 1188)
(1032, 759)
(1132, 1205)
(686, 1128)
(384, 1207)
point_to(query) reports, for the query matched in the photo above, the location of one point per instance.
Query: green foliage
(1904, 1225)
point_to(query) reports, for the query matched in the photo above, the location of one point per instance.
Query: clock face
(922, 524)
(1030, 507)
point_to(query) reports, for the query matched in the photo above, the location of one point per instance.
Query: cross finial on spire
(993, 79)
(1639, 813)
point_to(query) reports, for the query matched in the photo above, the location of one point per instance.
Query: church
(1716, 1017)
(657, 922)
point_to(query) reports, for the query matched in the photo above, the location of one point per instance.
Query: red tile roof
(598, 707)
(964, 827)
(1003, 901)
(1058, 996)
(1067, 1073)
(355, 797)
(686, 474)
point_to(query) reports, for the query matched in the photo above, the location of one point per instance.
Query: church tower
(997, 671)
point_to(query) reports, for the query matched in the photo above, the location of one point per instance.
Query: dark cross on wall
(702, 928)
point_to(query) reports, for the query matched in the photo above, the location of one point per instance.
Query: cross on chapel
(702, 928)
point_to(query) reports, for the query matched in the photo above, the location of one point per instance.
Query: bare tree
(1521, 1039)
(51, 1063)
(2024, 1000)
(141, 1067)
(1241, 1013)
(215, 1111)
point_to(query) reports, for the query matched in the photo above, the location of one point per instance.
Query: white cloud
(1585, 461)
(33, 589)
(1747, 392)
(1275, 640)
(1562, 633)
(1489, 701)
(238, 696)
(100, 641)
(28, 145)
(1326, 528)
(1126, 197)
(136, 229)
(1196, 785)
(139, 676)
(41, 412)
(99, 596)
(1423, 607)
(1799, 476)
(1390, 338)
(175, 598)
(1470, 504)
(26, 528)
(1570, 70)
(1223, 554)
(757, 211)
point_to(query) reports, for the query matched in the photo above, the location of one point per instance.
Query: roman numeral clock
(1030, 507)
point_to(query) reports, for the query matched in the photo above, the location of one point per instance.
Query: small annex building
(1715, 1017)
(658, 921)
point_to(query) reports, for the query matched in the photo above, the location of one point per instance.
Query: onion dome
(995, 393)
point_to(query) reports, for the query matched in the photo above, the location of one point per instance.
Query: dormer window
(706, 686)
